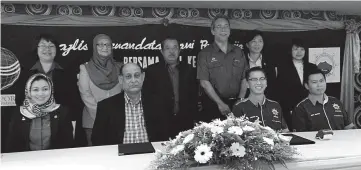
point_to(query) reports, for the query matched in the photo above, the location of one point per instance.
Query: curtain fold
(277, 25)
(351, 66)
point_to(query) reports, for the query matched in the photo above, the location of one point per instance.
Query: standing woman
(290, 79)
(255, 58)
(98, 80)
(45, 51)
(39, 123)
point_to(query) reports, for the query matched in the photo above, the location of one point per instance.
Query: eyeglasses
(104, 45)
(262, 79)
(46, 47)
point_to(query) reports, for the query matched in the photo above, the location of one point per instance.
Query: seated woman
(257, 106)
(39, 123)
(98, 80)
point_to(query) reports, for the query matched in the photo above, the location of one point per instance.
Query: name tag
(338, 115)
(316, 114)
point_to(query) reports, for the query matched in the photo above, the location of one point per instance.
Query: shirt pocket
(238, 68)
(215, 69)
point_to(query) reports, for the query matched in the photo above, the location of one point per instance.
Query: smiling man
(257, 106)
(124, 118)
(221, 72)
(319, 111)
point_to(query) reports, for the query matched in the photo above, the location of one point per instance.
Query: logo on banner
(10, 68)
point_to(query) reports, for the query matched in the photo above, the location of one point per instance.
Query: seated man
(123, 118)
(319, 111)
(257, 106)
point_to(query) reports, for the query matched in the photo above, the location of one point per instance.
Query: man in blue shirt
(319, 111)
(257, 106)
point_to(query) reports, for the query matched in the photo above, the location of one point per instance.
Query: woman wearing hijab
(98, 80)
(39, 123)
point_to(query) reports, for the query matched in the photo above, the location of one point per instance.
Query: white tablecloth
(343, 151)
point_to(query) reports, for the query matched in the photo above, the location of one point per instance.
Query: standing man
(171, 88)
(221, 71)
(125, 117)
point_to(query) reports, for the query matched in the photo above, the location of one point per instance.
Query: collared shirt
(299, 68)
(40, 133)
(257, 63)
(174, 77)
(38, 67)
(225, 71)
(310, 115)
(135, 131)
(269, 113)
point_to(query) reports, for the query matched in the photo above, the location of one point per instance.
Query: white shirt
(257, 63)
(299, 68)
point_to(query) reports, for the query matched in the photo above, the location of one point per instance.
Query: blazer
(19, 130)
(290, 88)
(159, 95)
(109, 125)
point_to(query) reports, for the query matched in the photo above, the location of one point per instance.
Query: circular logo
(10, 68)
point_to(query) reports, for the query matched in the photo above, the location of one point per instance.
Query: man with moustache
(170, 88)
(221, 71)
(319, 111)
(257, 106)
(125, 117)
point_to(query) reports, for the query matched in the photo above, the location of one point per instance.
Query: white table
(343, 151)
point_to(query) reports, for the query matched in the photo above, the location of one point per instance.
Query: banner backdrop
(141, 44)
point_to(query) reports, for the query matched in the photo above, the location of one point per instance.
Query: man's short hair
(254, 69)
(311, 70)
(218, 17)
(121, 68)
(168, 38)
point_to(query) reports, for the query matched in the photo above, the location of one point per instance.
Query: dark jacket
(19, 130)
(271, 74)
(159, 92)
(109, 125)
(290, 89)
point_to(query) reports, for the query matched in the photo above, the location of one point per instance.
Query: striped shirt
(135, 131)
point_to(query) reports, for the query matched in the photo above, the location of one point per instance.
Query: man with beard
(257, 106)
(221, 71)
(170, 88)
(319, 111)
(125, 117)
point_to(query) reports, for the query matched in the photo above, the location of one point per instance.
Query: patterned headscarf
(33, 110)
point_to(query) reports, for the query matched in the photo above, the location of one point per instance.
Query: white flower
(236, 130)
(218, 122)
(203, 154)
(237, 150)
(268, 141)
(188, 138)
(177, 149)
(216, 130)
(248, 128)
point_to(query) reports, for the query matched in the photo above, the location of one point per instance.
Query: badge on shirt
(214, 59)
(316, 114)
(275, 112)
(336, 107)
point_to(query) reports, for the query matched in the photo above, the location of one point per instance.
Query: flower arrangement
(234, 143)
